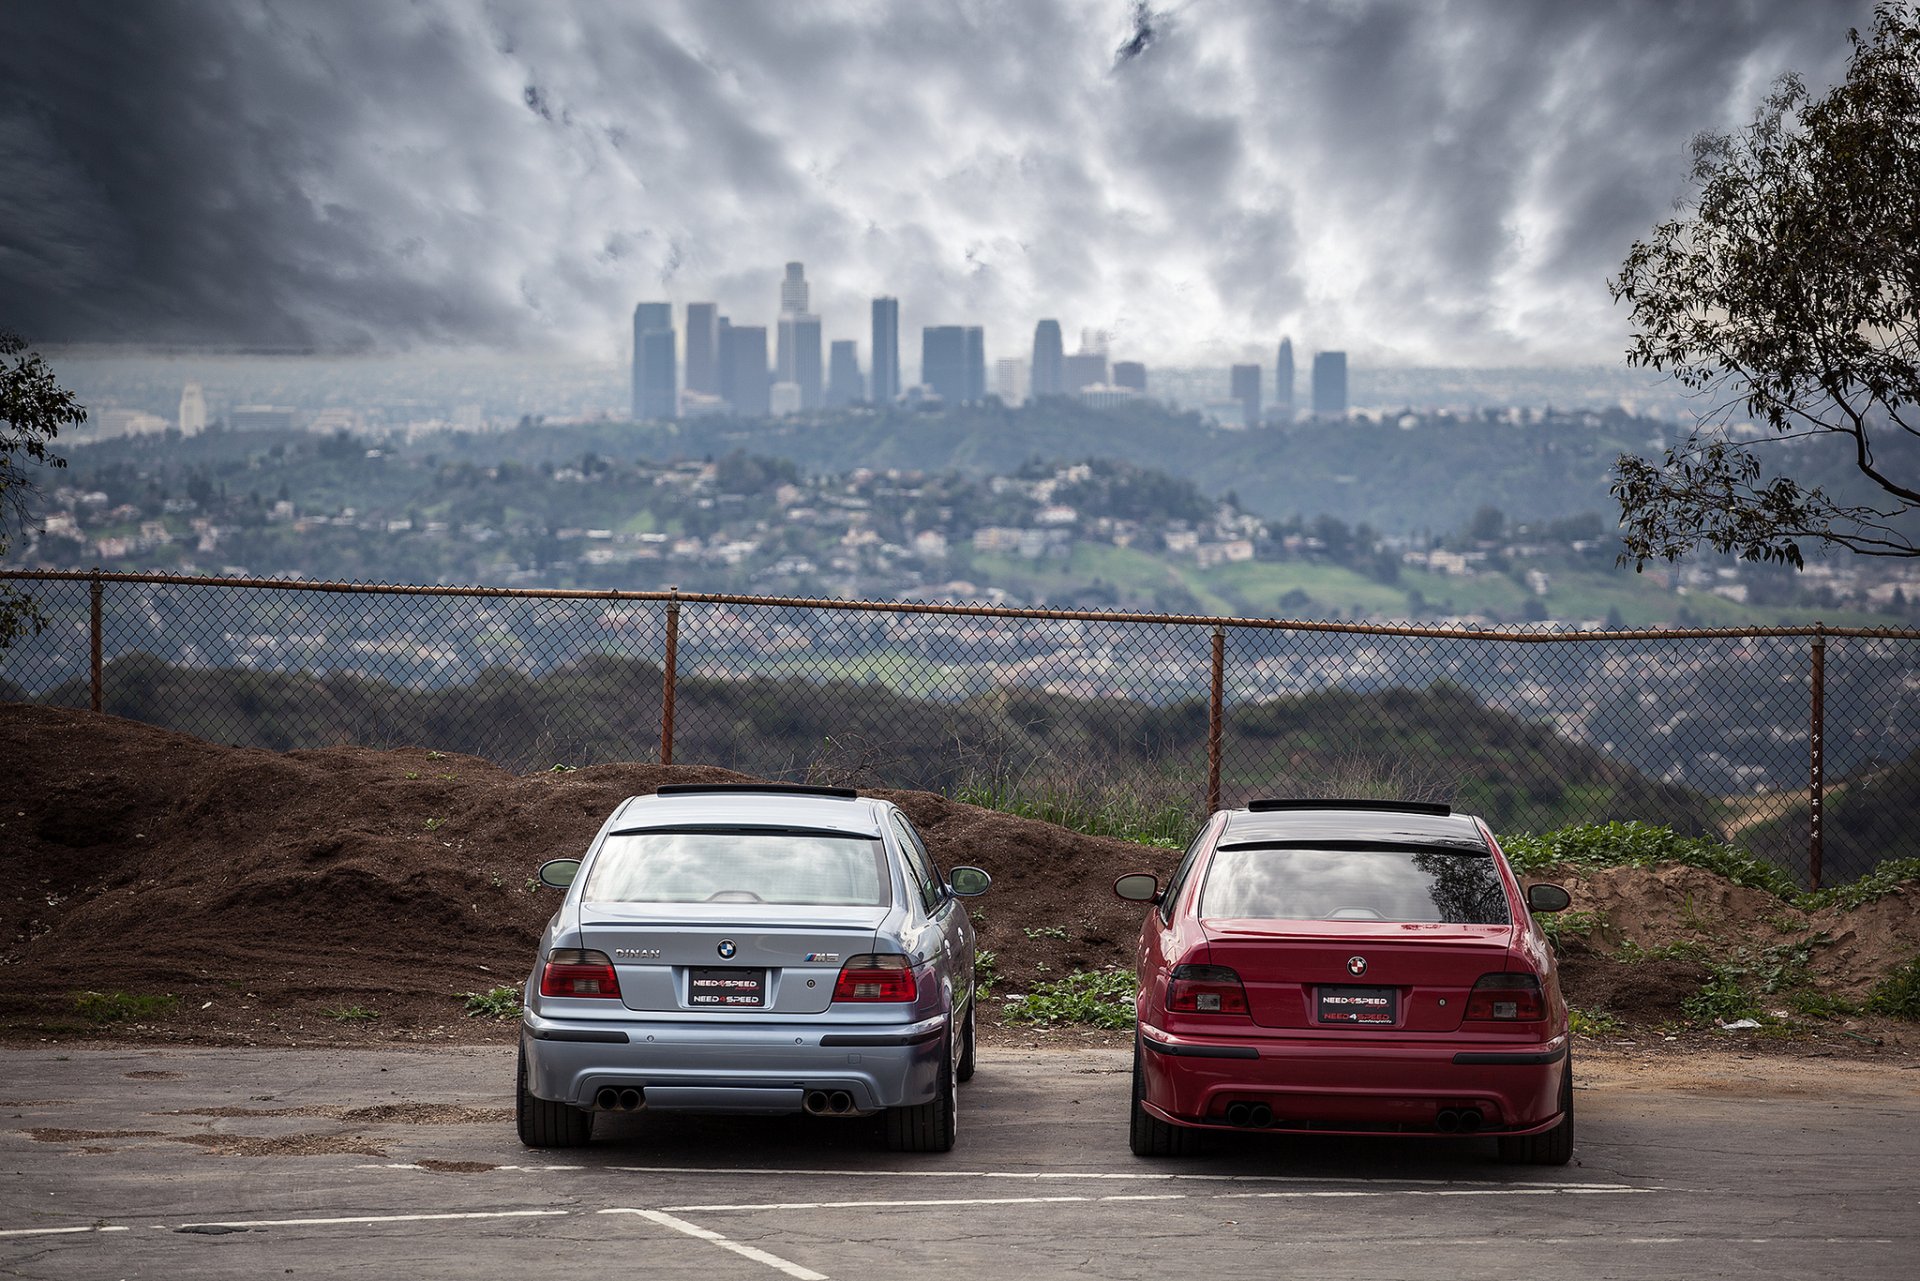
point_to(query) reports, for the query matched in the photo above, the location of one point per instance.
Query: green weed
(1096, 998)
(1576, 923)
(499, 1003)
(1035, 933)
(118, 1007)
(1898, 994)
(1879, 883)
(1723, 998)
(353, 1014)
(986, 970)
(435, 824)
(1592, 1022)
(1643, 845)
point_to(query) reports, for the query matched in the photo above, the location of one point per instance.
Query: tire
(1555, 1147)
(929, 1126)
(963, 1070)
(1147, 1134)
(545, 1124)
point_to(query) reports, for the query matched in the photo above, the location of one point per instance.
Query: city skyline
(1433, 184)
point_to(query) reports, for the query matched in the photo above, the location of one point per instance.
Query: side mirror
(558, 873)
(969, 881)
(1547, 898)
(1138, 887)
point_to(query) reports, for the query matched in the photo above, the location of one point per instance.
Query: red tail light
(571, 971)
(1511, 997)
(875, 976)
(1206, 989)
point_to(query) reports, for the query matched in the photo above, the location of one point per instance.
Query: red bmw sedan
(1349, 967)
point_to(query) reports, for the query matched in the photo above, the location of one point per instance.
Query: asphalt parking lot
(209, 1163)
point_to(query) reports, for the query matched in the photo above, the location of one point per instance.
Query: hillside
(238, 896)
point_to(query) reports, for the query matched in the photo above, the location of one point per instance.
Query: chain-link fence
(1801, 743)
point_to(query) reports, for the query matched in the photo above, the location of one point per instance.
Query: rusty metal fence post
(94, 593)
(1216, 714)
(1816, 758)
(669, 678)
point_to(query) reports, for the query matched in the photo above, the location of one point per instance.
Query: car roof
(822, 809)
(1348, 823)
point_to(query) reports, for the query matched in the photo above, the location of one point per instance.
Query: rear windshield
(1354, 885)
(740, 867)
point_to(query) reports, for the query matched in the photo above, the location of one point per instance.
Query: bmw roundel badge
(727, 950)
(1356, 965)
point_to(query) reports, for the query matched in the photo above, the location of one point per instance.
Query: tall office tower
(653, 362)
(844, 384)
(886, 350)
(747, 392)
(1130, 373)
(1010, 380)
(1084, 369)
(976, 364)
(722, 356)
(943, 361)
(1330, 384)
(1283, 381)
(793, 290)
(703, 348)
(1246, 390)
(1048, 377)
(193, 410)
(797, 358)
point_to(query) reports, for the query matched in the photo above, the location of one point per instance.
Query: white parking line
(1072, 1175)
(714, 1238)
(50, 1232)
(1300, 1195)
(370, 1219)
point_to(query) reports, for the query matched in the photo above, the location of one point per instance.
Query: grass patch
(1880, 882)
(1124, 816)
(353, 1014)
(1723, 998)
(118, 1007)
(1592, 1022)
(1898, 994)
(1035, 933)
(497, 1003)
(1095, 998)
(1592, 845)
(1573, 923)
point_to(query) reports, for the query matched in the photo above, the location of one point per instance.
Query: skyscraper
(1047, 373)
(193, 410)
(1283, 381)
(747, 391)
(723, 357)
(844, 384)
(976, 364)
(1082, 369)
(1131, 374)
(798, 361)
(1330, 384)
(944, 361)
(1246, 390)
(1010, 380)
(886, 350)
(703, 348)
(654, 392)
(793, 289)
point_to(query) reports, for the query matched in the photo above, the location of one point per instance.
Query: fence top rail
(672, 595)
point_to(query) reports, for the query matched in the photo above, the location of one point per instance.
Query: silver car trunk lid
(732, 958)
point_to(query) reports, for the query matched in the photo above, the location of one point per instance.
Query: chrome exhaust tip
(816, 1102)
(1469, 1120)
(1447, 1121)
(1238, 1114)
(1259, 1116)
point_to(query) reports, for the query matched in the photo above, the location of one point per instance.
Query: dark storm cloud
(1427, 180)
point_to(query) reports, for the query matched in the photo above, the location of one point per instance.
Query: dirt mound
(162, 887)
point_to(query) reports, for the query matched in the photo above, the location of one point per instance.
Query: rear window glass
(740, 867)
(1354, 885)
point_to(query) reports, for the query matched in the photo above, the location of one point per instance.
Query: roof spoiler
(1269, 804)
(748, 789)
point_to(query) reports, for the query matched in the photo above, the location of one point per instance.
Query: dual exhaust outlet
(828, 1103)
(1249, 1116)
(610, 1099)
(1457, 1120)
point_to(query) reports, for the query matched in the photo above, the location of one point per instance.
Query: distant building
(1283, 381)
(654, 358)
(1107, 396)
(193, 410)
(1048, 377)
(1245, 388)
(886, 350)
(703, 348)
(784, 398)
(793, 290)
(259, 418)
(1086, 369)
(1130, 373)
(844, 384)
(748, 385)
(976, 363)
(722, 357)
(944, 362)
(798, 356)
(1010, 380)
(1330, 384)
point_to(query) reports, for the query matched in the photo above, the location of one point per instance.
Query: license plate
(729, 989)
(1363, 1005)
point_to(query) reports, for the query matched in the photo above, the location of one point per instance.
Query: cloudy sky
(1419, 181)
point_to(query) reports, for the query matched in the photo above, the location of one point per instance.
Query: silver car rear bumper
(751, 1068)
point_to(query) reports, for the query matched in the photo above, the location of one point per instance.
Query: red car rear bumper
(1339, 1084)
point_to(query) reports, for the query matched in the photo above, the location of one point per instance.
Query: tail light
(1511, 997)
(875, 976)
(1206, 989)
(570, 971)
